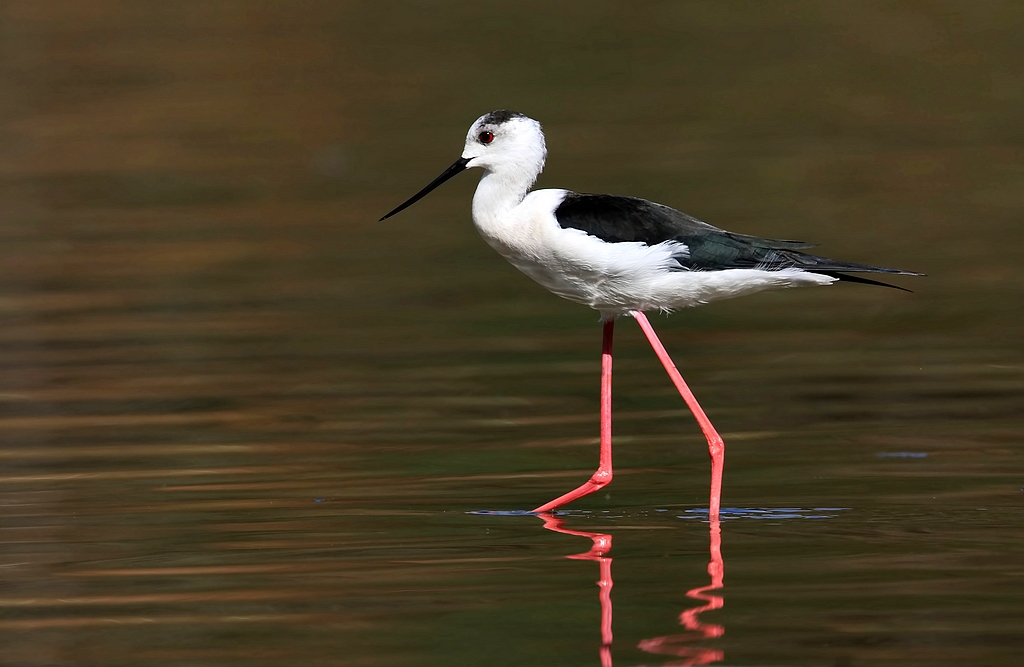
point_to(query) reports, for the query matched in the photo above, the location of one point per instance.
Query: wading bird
(620, 256)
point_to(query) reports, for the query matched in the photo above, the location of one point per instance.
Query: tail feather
(826, 265)
(842, 277)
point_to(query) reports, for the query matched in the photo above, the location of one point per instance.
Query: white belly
(665, 290)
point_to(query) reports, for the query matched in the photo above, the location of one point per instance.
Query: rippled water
(241, 422)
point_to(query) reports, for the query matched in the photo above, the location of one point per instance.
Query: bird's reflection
(678, 645)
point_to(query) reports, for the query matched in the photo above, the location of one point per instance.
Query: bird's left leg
(716, 446)
(603, 476)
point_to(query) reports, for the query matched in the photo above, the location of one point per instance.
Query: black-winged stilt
(620, 256)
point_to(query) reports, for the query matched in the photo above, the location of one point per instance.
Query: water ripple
(766, 513)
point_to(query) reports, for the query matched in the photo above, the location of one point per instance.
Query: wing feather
(616, 219)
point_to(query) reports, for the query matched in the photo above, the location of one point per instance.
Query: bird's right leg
(603, 476)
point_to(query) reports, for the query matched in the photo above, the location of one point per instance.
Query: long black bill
(459, 166)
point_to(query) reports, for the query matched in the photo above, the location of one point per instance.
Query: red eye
(486, 137)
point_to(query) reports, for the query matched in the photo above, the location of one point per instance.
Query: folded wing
(615, 219)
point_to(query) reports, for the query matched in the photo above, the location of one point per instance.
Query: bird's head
(504, 142)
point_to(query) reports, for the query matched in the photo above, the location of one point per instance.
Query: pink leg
(716, 446)
(603, 476)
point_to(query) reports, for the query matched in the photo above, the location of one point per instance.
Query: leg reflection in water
(673, 645)
(602, 545)
(677, 645)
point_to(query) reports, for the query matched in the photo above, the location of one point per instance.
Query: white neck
(500, 191)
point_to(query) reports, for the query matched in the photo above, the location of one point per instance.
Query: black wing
(615, 219)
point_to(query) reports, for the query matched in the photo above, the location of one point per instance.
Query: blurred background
(241, 421)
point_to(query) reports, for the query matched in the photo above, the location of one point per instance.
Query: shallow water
(241, 422)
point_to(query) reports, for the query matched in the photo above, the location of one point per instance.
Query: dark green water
(243, 423)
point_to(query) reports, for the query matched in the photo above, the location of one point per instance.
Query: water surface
(241, 422)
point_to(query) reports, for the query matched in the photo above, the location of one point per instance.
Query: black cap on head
(501, 116)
